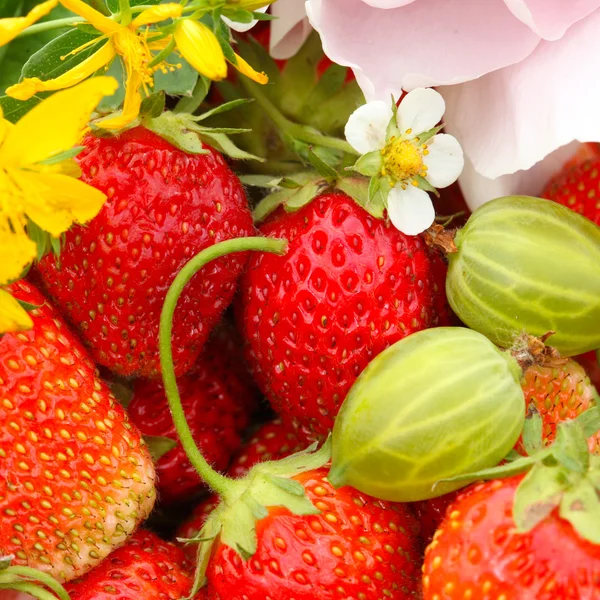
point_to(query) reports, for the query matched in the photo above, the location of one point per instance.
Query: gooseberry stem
(299, 132)
(218, 483)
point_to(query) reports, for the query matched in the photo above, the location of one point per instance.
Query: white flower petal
(511, 119)
(422, 44)
(445, 160)
(367, 125)
(242, 27)
(478, 190)
(410, 210)
(420, 110)
(289, 30)
(550, 19)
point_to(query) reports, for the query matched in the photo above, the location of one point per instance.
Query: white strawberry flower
(405, 155)
(243, 27)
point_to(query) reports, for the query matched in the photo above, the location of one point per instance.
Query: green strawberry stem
(287, 127)
(219, 483)
(25, 579)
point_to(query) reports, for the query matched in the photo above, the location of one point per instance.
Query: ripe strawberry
(217, 406)
(430, 514)
(558, 393)
(358, 547)
(146, 567)
(478, 552)
(113, 274)
(577, 186)
(75, 477)
(349, 286)
(271, 442)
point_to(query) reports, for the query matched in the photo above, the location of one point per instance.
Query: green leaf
(153, 106)
(537, 496)
(533, 431)
(302, 196)
(159, 445)
(425, 185)
(581, 507)
(40, 237)
(224, 145)
(28, 306)
(113, 5)
(570, 448)
(369, 164)
(589, 420)
(330, 83)
(189, 104)
(179, 82)
(223, 108)
(121, 389)
(55, 245)
(66, 155)
(15, 109)
(172, 128)
(238, 15)
(260, 16)
(262, 181)
(269, 204)
(324, 169)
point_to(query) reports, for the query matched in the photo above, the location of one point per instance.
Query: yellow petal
(95, 18)
(10, 28)
(54, 201)
(245, 69)
(30, 87)
(13, 317)
(56, 124)
(131, 105)
(156, 14)
(200, 47)
(16, 252)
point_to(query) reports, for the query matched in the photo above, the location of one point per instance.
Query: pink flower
(519, 77)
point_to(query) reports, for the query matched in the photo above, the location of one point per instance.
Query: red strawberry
(75, 477)
(164, 207)
(591, 363)
(348, 287)
(577, 186)
(145, 568)
(358, 547)
(478, 553)
(271, 442)
(430, 514)
(558, 393)
(217, 409)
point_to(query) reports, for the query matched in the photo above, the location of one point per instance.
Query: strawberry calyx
(243, 501)
(29, 581)
(564, 476)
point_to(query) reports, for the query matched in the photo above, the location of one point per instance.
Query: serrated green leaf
(224, 145)
(369, 164)
(227, 106)
(153, 106)
(159, 446)
(581, 507)
(538, 494)
(570, 448)
(172, 127)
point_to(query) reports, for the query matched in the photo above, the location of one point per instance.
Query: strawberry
(591, 363)
(478, 552)
(430, 514)
(217, 407)
(75, 476)
(146, 567)
(271, 441)
(348, 287)
(164, 206)
(357, 547)
(577, 186)
(558, 393)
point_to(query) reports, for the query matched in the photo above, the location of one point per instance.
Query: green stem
(290, 128)
(125, 12)
(34, 575)
(31, 589)
(50, 25)
(219, 483)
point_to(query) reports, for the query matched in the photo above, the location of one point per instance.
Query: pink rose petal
(290, 30)
(425, 43)
(511, 119)
(550, 19)
(387, 3)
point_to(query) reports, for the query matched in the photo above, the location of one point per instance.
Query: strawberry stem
(299, 132)
(26, 579)
(219, 483)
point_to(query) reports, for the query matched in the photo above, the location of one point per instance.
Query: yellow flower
(200, 47)
(13, 317)
(10, 28)
(35, 183)
(129, 42)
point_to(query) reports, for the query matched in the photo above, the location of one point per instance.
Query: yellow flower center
(133, 47)
(402, 160)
